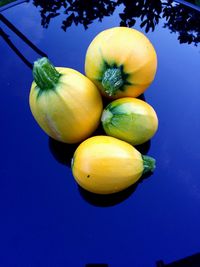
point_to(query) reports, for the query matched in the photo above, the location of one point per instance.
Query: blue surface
(45, 219)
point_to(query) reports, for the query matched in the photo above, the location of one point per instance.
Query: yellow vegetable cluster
(120, 65)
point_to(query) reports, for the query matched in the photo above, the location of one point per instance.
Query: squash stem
(45, 75)
(112, 80)
(149, 164)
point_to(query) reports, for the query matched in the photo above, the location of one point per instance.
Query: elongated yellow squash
(121, 61)
(105, 165)
(65, 103)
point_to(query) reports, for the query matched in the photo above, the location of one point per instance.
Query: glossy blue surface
(46, 220)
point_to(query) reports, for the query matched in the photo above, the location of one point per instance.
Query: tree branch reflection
(178, 18)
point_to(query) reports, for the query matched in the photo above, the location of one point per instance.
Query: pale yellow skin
(135, 121)
(127, 47)
(105, 165)
(70, 113)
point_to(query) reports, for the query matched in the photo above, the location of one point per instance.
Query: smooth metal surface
(45, 219)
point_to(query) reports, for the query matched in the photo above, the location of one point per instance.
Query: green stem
(45, 75)
(112, 80)
(149, 164)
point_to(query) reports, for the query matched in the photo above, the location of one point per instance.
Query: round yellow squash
(65, 103)
(130, 119)
(121, 61)
(105, 165)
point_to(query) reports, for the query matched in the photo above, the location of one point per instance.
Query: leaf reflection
(178, 18)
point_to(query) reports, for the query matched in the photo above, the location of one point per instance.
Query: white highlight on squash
(51, 124)
(106, 116)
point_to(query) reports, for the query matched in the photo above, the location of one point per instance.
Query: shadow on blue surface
(107, 200)
(62, 152)
(190, 261)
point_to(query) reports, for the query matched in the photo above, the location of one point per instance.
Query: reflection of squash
(121, 61)
(65, 103)
(104, 164)
(130, 119)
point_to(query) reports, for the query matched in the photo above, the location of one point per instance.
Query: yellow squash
(105, 165)
(130, 119)
(65, 103)
(121, 61)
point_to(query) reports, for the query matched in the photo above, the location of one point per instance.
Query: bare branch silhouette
(22, 37)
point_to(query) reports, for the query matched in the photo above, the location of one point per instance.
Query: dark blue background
(45, 220)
